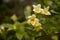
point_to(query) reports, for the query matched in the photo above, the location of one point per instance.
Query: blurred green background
(51, 24)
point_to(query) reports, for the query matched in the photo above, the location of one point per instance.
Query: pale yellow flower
(14, 17)
(37, 26)
(32, 19)
(33, 15)
(2, 27)
(45, 11)
(37, 8)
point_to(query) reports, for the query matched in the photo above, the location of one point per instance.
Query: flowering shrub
(36, 25)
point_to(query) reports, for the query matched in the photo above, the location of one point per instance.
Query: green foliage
(24, 31)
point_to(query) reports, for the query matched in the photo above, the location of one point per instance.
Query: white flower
(45, 11)
(32, 19)
(37, 8)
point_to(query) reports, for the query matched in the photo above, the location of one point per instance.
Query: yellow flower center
(32, 20)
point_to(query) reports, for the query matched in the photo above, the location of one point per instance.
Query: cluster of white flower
(33, 20)
(38, 9)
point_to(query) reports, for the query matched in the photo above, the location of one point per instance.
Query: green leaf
(19, 36)
(19, 30)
